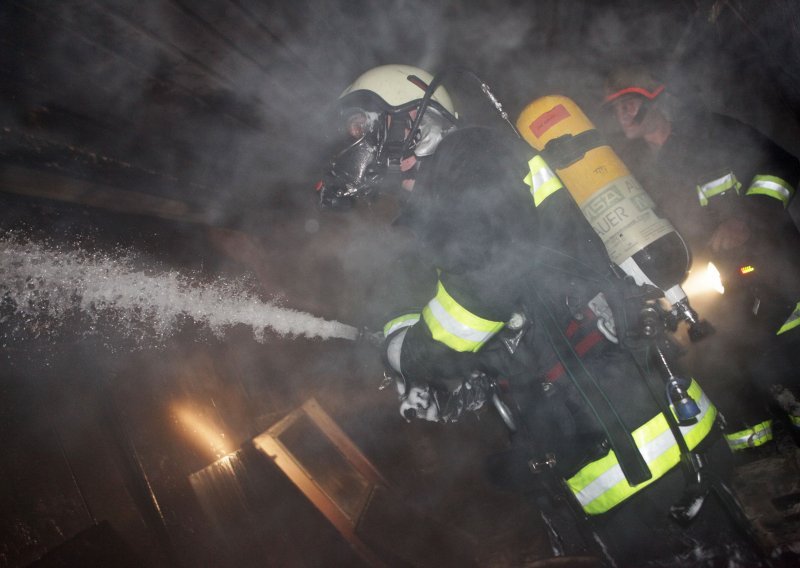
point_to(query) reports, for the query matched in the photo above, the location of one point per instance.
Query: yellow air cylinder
(554, 116)
(643, 244)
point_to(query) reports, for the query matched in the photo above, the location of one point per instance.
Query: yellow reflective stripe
(717, 186)
(771, 186)
(792, 322)
(541, 179)
(753, 437)
(795, 420)
(696, 433)
(455, 326)
(601, 485)
(405, 320)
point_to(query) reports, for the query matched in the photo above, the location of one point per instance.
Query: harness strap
(630, 459)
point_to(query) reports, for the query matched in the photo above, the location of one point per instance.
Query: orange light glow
(202, 431)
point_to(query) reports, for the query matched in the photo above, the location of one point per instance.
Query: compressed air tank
(644, 245)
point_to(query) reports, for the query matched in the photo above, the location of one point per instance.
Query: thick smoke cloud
(229, 97)
(225, 105)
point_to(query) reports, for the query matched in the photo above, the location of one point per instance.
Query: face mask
(374, 145)
(359, 168)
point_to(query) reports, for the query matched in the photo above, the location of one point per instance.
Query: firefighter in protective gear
(726, 188)
(499, 258)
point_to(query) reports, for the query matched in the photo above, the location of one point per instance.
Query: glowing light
(202, 431)
(714, 278)
(704, 282)
(747, 269)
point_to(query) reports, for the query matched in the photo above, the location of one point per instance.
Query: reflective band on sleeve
(717, 186)
(455, 326)
(394, 350)
(792, 322)
(601, 485)
(771, 186)
(795, 420)
(405, 320)
(541, 179)
(753, 437)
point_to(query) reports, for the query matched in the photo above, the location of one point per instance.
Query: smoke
(229, 98)
(226, 102)
(44, 285)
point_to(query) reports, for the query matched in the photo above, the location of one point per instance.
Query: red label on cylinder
(547, 120)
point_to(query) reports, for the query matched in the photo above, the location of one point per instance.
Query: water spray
(42, 285)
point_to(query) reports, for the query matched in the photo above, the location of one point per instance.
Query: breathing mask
(369, 151)
(382, 134)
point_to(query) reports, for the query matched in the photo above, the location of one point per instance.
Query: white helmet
(396, 88)
(383, 131)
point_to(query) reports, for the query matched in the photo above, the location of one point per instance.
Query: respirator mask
(378, 152)
(367, 151)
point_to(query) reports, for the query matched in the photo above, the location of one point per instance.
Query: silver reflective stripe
(455, 327)
(394, 349)
(541, 179)
(753, 437)
(771, 186)
(651, 452)
(716, 187)
(399, 323)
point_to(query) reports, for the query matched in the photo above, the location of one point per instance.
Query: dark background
(194, 132)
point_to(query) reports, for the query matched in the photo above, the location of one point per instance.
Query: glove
(437, 406)
(419, 404)
(470, 396)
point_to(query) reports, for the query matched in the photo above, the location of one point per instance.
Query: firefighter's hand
(729, 235)
(419, 403)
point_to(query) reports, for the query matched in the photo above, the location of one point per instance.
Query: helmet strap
(423, 105)
(394, 144)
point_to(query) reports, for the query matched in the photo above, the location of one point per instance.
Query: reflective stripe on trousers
(753, 437)
(792, 322)
(601, 485)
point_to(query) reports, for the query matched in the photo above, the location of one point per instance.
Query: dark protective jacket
(498, 255)
(713, 168)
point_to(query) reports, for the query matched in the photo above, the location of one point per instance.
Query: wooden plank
(34, 183)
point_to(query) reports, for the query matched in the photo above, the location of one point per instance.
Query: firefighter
(518, 291)
(726, 188)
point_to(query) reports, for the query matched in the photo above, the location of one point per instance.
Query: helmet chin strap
(394, 147)
(423, 105)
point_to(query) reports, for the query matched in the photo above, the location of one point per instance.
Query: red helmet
(634, 80)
